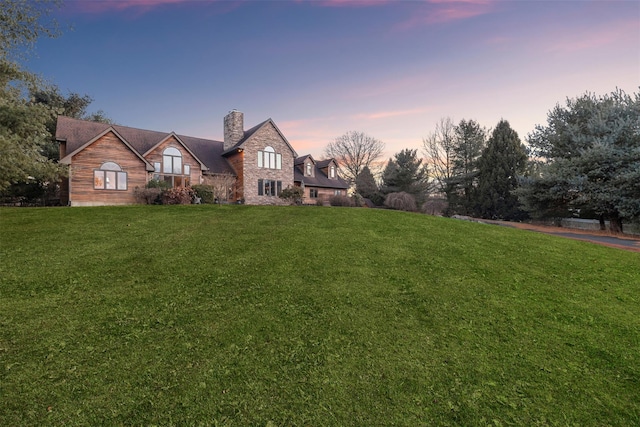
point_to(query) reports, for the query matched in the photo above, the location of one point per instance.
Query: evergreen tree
(367, 187)
(405, 172)
(590, 151)
(469, 141)
(502, 163)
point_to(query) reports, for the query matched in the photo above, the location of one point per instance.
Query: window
(308, 169)
(332, 171)
(173, 170)
(109, 177)
(269, 159)
(269, 187)
(337, 192)
(313, 193)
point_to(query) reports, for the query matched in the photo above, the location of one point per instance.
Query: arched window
(172, 161)
(269, 159)
(109, 177)
(173, 170)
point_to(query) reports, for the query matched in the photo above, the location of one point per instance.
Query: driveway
(626, 242)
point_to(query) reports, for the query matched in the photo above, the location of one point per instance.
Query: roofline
(202, 165)
(66, 160)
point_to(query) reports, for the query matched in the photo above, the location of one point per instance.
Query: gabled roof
(324, 163)
(320, 179)
(78, 133)
(67, 159)
(302, 159)
(179, 139)
(250, 132)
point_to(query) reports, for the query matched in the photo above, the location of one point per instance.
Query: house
(107, 162)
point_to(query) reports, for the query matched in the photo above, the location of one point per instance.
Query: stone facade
(266, 136)
(233, 129)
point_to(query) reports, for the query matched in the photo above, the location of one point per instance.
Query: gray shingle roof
(76, 133)
(319, 180)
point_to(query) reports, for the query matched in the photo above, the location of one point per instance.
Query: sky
(390, 69)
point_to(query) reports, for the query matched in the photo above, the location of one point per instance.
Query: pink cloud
(594, 38)
(444, 11)
(349, 3)
(388, 114)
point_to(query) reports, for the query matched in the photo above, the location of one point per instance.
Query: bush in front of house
(177, 196)
(293, 195)
(204, 192)
(147, 196)
(340, 201)
(401, 201)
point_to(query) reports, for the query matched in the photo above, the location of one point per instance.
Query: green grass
(239, 315)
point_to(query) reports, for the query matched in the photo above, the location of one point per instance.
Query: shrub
(435, 206)
(204, 192)
(319, 202)
(401, 201)
(293, 195)
(177, 196)
(147, 196)
(156, 183)
(340, 201)
(357, 200)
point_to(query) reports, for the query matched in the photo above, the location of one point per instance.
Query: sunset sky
(320, 68)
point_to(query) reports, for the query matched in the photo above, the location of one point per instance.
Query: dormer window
(332, 172)
(269, 159)
(308, 169)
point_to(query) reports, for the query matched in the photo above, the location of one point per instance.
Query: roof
(78, 133)
(324, 163)
(319, 180)
(250, 132)
(301, 160)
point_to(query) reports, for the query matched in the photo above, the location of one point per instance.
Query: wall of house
(109, 148)
(266, 136)
(324, 194)
(237, 162)
(187, 159)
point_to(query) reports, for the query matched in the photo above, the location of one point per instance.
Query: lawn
(307, 316)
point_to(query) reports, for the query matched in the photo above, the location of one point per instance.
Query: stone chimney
(233, 128)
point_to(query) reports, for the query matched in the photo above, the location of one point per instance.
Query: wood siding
(237, 162)
(109, 148)
(195, 174)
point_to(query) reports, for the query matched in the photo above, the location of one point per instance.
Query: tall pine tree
(503, 161)
(405, 172)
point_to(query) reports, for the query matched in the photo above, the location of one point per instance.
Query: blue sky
(320, 68)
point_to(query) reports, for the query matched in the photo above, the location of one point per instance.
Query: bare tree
(222, 186)
(354, 151)
(438, 148)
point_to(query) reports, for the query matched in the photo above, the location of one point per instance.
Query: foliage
(589, 154)
(406, 173)
(24, 138)
(434, 206)
(461, 187)
(401, 201)
(239, 320)
(204, 192)
(148, 196)
(158, 183)
(340, 201)
(177, 196)
(354, 151)
(294, 195)
(367, 187)
(503, 162)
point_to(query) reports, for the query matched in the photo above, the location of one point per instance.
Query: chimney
(233, 128)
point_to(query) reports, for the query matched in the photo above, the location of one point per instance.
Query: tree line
(584, 162)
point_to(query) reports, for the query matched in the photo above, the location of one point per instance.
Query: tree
(23, 125)
(406, 173)
(469, 141)
(438, 149)
(502, 163)
(353, 151)
(293, 195)
(589, 159)
(367, 187)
